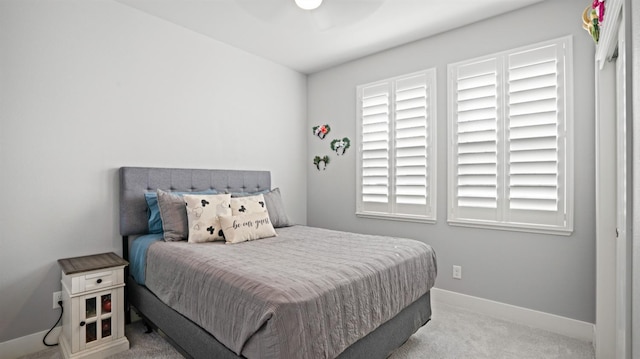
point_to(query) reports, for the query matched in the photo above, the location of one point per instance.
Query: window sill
(558, 231)
(396, 217)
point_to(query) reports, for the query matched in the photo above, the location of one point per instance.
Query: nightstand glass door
(96, 321)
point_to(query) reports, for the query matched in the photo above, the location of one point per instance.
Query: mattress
(307, 293)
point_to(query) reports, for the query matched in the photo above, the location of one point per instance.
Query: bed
(304, 293)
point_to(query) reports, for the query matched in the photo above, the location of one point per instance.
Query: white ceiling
(338, 31)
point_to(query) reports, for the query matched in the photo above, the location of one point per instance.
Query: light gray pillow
(174, 216)
(275, 207)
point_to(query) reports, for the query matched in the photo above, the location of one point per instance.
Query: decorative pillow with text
(202, 215)
(247, 227)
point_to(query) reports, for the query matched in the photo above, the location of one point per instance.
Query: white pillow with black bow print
(202, 215)
(248, 205)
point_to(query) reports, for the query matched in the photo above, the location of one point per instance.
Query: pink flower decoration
(599, 4)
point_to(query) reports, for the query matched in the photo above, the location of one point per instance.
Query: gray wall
(553, 274)
(89, 86)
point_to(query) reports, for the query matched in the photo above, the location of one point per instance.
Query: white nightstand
(93, 302)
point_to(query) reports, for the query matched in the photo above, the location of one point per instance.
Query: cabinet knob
(82, 323)
(99, 280)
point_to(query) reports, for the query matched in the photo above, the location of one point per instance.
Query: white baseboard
(554, 323)
(28, 344)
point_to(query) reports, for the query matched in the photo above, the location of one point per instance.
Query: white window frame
(465, 208)
(394, 209)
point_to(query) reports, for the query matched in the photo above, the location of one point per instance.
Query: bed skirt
(194, 342)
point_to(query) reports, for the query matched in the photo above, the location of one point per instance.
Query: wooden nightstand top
(91, 262)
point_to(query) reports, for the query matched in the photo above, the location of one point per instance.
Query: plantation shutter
(535, 134)
(396, 157)
(411, 144)
(376, 110)
(475, 130)
(510, 139)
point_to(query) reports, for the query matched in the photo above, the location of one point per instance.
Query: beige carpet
(451, 334)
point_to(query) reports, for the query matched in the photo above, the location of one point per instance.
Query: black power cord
(58, 321)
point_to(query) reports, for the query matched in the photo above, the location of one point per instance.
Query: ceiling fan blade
(267, 10)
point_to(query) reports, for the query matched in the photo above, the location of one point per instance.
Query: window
(396, 152)
(510, 140)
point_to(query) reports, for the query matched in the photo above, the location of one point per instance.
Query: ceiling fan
(308, 4)
(319, 15)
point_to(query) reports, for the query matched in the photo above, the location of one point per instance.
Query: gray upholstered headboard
(135, 181)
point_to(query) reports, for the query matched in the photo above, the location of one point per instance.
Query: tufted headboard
(135, 181)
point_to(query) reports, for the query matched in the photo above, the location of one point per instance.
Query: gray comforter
(307, 293)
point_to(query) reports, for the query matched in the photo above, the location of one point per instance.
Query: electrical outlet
(57, 297)
(457, 272)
